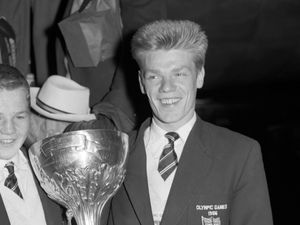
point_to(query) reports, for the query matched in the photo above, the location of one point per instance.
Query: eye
(21, 116)
(151, 76)
(180, 74)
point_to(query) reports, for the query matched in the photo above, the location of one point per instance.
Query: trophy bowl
(81, 170)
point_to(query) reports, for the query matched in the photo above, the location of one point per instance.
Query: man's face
(170, 79)
(14, 121)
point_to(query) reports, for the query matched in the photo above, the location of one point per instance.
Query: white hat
(61, 98)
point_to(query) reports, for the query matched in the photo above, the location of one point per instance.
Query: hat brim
(56, 116)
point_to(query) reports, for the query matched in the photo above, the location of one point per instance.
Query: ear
(200, 78)
(141, 82)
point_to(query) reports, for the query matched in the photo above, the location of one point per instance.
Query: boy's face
(14, 121)
(170, 79)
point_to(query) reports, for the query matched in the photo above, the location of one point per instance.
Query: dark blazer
(220, 177)
(53, 212)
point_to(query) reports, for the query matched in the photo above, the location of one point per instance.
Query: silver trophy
(81, 170)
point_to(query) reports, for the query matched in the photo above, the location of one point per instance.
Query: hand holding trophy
(81, 170)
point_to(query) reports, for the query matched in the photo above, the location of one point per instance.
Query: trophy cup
(81, 170)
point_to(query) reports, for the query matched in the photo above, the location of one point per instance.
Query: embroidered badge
(212, 212)
(211, 220)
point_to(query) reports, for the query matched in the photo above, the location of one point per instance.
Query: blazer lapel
(3, 214)
(52, 213)
(193, 167)
(44, 200)
(136, 183)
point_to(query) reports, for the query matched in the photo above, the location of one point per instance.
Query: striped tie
(11, 180)
(168, 159)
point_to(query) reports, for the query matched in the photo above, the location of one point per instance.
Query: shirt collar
(183, 131)
(154, 132)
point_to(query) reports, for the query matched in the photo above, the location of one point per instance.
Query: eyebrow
(151, 71)
(19, 112)
(173, 70)
(26, 111)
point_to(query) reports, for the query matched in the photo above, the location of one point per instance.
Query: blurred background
(252, 69)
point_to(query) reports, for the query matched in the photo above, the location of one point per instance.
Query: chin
(7, 156)
(7, 153)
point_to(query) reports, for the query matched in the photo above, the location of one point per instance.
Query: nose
(8, 127)
(167, 84)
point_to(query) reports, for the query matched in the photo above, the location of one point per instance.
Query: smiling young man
(181, 169)
(170, 79)
(22, 201)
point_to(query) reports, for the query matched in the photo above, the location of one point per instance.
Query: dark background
(252, 85)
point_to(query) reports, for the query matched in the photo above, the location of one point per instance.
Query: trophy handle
(69, 215)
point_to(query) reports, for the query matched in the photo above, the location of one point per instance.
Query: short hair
(168, 35)
(11, 78)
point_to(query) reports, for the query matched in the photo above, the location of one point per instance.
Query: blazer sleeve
(251, 203)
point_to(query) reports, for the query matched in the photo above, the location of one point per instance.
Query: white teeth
(6, 141)
(168, 101)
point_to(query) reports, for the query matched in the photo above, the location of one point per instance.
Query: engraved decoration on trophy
(81, 170)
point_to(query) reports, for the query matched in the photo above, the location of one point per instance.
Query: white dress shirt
(26, 211)
(155, 141)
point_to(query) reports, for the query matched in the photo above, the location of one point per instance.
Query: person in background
(181, 169)
(22, 201)
(111, 82)
(54, 109)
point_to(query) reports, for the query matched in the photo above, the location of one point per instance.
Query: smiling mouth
(6, 141)
(169, 101)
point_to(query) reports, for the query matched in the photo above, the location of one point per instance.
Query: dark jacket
(220, 177)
